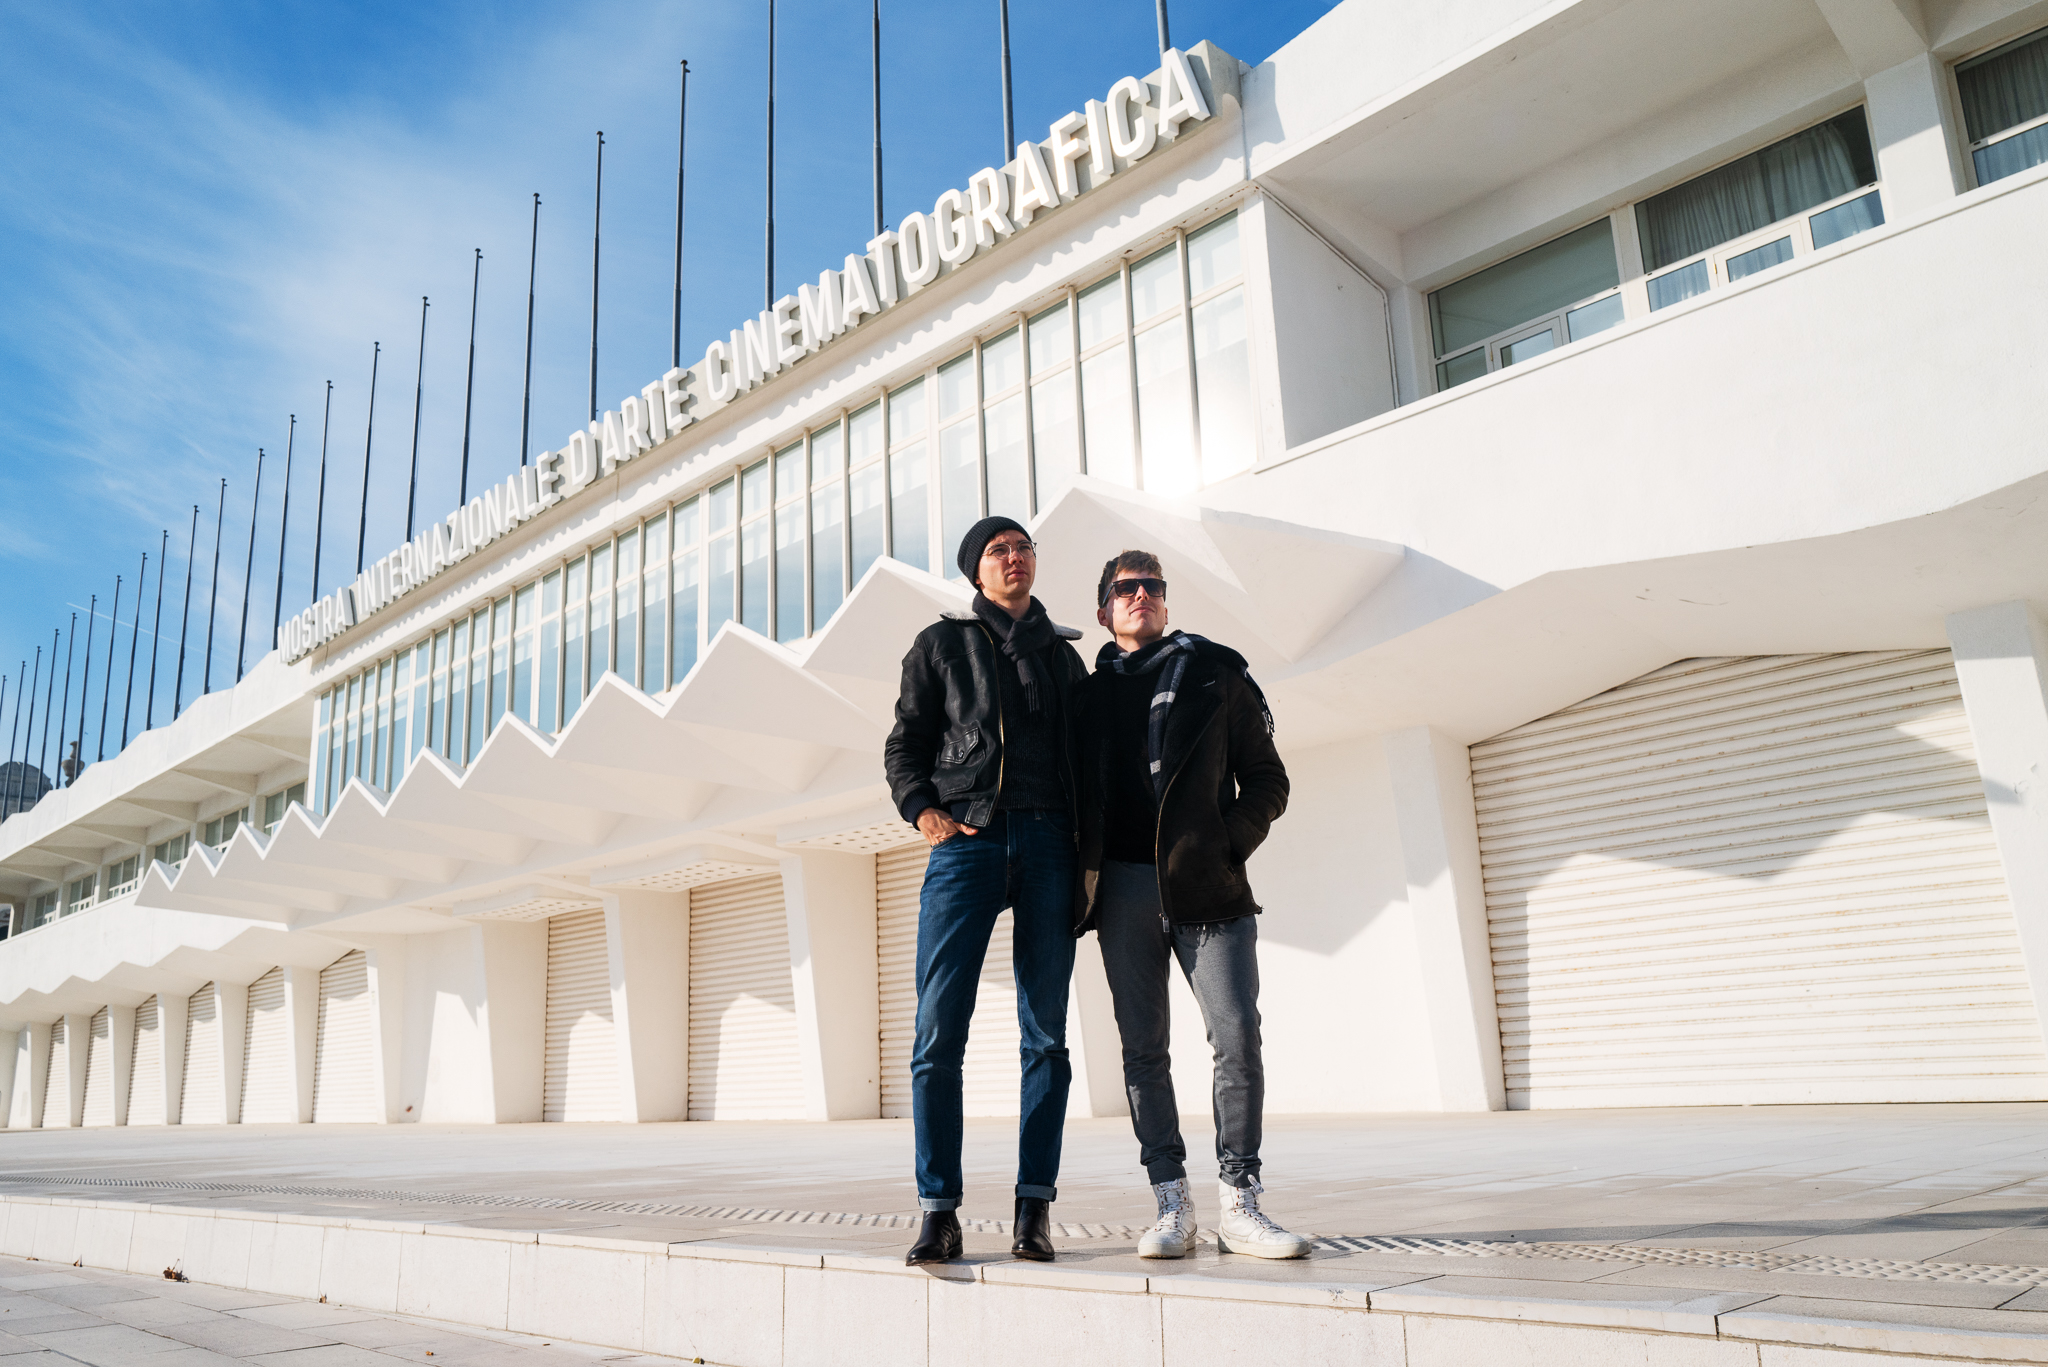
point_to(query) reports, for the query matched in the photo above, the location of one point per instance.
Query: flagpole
(320, 497)
(156, 628)
(134, 641)
(469, 387)
(770, 263)
(1009, 107)
(675, 345)
(107, 684)
(213, 591)
(369, 435)
(17, 716)
(1164, 41)
(877, 54)
(185, 622)
(249, 568)
(13, 738)
(419, 390)
(70, 644)
(28, 738)
(92, 622)
(596, 242)
(284, 525)
(526, 395)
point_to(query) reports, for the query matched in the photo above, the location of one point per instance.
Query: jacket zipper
(1002, 749)
(1159, 820)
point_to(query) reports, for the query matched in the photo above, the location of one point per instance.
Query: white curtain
(1805, 169)
(2004, 88)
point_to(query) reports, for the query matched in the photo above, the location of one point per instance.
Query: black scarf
(1022, 638)
(1168, 657)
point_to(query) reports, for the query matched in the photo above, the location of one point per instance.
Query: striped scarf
(1168, 658)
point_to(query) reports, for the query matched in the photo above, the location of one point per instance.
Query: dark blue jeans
(1024, 861)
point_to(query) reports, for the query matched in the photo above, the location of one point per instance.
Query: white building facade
(1608, 428)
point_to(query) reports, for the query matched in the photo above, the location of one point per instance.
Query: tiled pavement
(1858, 1207)
(56, 1316)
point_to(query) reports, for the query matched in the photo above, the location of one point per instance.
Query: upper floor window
(172, 851)
(1798, 194)
(216, 833)
(1564, 290)
(78, 893)
(43, 911)
(122, 877)
(275, 806)
(2005, 107)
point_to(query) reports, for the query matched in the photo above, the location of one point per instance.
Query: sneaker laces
(1244, 1203)
(1174, 1202)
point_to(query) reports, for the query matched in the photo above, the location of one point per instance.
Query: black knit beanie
(977, 539)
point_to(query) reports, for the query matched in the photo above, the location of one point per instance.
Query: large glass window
(909, 477)
(1106, 383)
(754, 507)
(1055, 437)
(654, 580)
(1562, 291)
(2005, 107)
(1760, 210)
(721, 570)
(867, 493)
(689, 583)
(626, 613)
(790, 487)
(828, 522)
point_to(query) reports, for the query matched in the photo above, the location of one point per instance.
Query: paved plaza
(54, 1316)
(1874, 1209)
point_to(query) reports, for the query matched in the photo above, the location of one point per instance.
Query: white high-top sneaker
(1175, 1229)
(1244, 1228)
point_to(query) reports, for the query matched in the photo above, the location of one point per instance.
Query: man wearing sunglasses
(1179, 784)
(981, 761)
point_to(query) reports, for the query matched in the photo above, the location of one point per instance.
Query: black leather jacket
(946, 749)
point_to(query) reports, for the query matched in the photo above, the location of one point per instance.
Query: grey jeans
(1220, 960)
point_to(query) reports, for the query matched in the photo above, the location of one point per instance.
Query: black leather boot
(1033, 1229)
(938, 1241)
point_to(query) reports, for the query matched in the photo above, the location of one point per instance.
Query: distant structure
(22, 785)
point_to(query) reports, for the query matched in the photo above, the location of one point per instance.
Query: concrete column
(231, 1010)
(10, 1048)
(77, 1048)
(2001, 655)
(302, 1033)
(1431, 777)
(31, 1076)
(121, 1036)
(1094, 1044)
(384, 957)
(514, 1014)
(830, 901)
(647, 938)
(1919, 151)
(172, 1013)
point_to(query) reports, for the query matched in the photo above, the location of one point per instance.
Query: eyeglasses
(1004, 550)
(1128, 588)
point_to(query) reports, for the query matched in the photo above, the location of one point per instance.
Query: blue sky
(209, 209)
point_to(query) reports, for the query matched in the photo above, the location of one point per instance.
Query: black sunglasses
(1128, 588)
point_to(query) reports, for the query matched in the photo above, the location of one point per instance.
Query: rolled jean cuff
(930, 1203)
(1042, 1193)
(1165, 1170)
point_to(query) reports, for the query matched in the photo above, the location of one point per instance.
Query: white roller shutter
(267, 1067)
(580, 1080)
(744, 1063)
(899, 875)
(146, 1074)
(203, 1098)
(99, 1070)
(990, 1073)
(344, 1064)
(57, 1084)
(1752, 880)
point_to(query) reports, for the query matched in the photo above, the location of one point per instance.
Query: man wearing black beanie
(981, 761)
